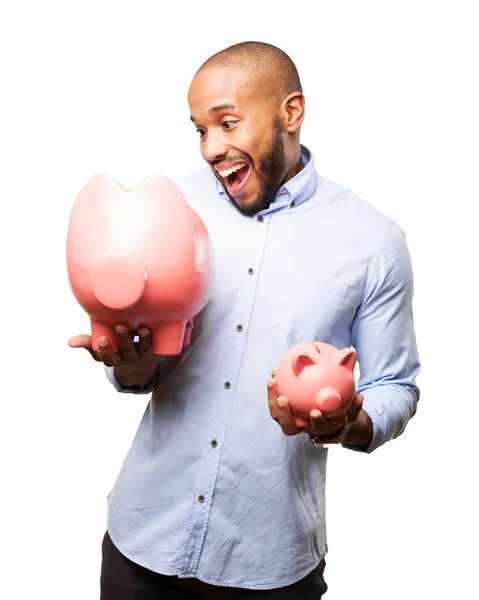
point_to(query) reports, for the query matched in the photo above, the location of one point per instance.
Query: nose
(214, 146)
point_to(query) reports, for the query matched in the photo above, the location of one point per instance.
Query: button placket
(226, 386)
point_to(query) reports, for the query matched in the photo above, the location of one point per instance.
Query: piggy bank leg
(187, 338)
(168, 338)
(99, 330)
(300, 422)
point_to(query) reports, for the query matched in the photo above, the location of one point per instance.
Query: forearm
(360, 432)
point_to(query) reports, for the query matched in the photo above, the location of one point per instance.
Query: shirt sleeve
(384, 339)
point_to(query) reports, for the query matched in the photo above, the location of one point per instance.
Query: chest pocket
(309, 311)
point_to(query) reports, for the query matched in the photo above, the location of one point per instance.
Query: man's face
(241, 137)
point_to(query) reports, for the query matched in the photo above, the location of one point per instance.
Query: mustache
(246, 157)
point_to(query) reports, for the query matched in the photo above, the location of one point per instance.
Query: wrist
(337, 436)
(143, 379)
(360, 432)
(356, 433)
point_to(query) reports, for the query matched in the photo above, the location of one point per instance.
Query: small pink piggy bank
(140, 257)
(315, 375)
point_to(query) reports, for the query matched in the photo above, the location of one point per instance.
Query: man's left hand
(319, 423)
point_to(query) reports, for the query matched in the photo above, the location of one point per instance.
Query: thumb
(83, 341)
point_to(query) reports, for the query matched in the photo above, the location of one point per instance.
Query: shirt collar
(303, 185)
(298, 189)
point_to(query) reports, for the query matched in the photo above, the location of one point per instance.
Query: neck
(295, 165)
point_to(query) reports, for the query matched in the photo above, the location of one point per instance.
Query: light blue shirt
(211, 488)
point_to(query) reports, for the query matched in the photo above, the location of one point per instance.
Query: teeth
(232, 170)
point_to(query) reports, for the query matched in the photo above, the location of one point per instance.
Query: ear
(292, 110)
(346, 358)
(300, 362)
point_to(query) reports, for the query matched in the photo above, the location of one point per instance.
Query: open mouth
(236, 177)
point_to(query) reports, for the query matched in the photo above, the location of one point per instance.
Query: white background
(392, 109)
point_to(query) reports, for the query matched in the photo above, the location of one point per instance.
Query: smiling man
(221, 495)
(249, 123)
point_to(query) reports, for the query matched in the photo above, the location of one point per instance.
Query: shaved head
(272, 68)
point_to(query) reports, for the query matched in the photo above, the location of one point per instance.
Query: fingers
(126, 345)
(106, 354)
(80, 341)
(144, 343)
(353, 413)
(318, 421)
(279, 409)
(128, 351)
(285, 418)
(273, 398)
(358, 400)
(348, 417)
(83, 341)
(339, 419)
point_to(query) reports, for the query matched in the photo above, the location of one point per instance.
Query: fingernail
(315, 414)
(281, 401)
(270, 382)
(122, 332)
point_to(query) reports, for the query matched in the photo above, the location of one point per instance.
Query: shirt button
(214, 443)
(260, 219)
(250, 271)
(227, 385)
(239, 327)
(293, 203)
(201, 498)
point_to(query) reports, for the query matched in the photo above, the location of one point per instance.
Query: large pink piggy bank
(140, 257)
(315, 375)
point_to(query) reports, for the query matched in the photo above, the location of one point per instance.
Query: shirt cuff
(390, 408)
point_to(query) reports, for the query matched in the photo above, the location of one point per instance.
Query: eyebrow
(217, 108)
(221, 107)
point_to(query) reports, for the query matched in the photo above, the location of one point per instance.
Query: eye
(228, 124)
(202, 132)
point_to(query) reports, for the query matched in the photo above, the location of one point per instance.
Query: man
(221, 495)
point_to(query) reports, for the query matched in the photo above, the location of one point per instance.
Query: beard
(270, 173)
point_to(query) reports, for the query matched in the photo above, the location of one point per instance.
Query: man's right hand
(134, 362)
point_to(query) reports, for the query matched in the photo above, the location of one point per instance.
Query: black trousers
(122, 579)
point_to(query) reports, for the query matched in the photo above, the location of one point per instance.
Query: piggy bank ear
(346, 358)
(300, 362)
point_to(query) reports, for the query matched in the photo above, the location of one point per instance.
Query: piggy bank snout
(117, 280)
(329, 400)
